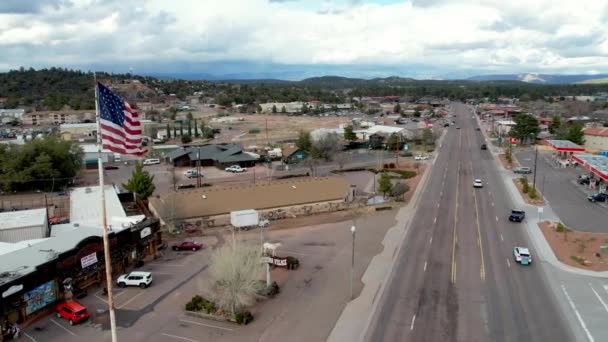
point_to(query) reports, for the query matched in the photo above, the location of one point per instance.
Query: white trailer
(245, 219)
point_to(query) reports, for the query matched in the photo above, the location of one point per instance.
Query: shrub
(533, 193)
(198, 303)
(403, 174)
(578, 259)
(591, 239)
(406, 154)
(385, 166)
(254, 131)
(391, 165)
(560, 228)
(243, 317)
(269, 291)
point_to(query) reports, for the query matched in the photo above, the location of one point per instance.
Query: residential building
(319, 133)
(78, 131)
(58, 117)
(290, 107)
(91, 155)
(596, 139)
(293, 155)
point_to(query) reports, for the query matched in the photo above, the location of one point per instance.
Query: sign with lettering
(277, 261)
(12, 290)
(88, 260)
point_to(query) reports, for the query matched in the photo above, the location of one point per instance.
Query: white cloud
(493, 35)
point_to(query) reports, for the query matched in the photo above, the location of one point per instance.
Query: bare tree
(341, 158)
(326, 147)
(236, 271)
(312, 164)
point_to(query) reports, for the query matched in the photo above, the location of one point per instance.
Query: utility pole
(198, 167)
(267, 142)
(352, 262)
(535, 160)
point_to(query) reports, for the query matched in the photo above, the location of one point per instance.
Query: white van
(151, 161)
(117, 157)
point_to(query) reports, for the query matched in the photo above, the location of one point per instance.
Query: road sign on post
(513, 142)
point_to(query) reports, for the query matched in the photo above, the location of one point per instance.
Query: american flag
(120, 126)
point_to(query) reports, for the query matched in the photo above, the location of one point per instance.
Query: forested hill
(52, 89)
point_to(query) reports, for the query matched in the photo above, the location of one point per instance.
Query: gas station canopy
(594, 163)
(565, 146)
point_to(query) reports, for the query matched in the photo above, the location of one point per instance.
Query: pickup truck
(517, 215)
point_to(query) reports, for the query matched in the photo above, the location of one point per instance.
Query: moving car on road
(187, 246)
(151, 161)
(522, 255)
(73, 311)
(136, 278)
(599, 197)
(110, 167)
(478, 183)
(484, 146)
(192, 174)
(421, 157)
(517, 215)
(522, 170)
(235, 169)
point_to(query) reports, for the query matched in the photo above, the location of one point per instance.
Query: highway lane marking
(501, 239)
(454, 236)
(435, 219)
(431, 240)
(578, 315)
(482, 267)
(599, 298)
(508, 263)
(441, 193)
(437, 205)
(492, 203)
(130, 300)
(205, 325)
(180, 337)
(64, 328)
(425, 266)
(496, 218)
(413, 321)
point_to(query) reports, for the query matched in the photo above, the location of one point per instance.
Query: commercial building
(91, 154)
(213, 155)
(58, 117)
(22, 225)
(596, 139)
(290, 198)
(33, 271)
(78, 131)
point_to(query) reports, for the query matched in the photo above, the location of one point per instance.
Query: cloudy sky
(300, 38)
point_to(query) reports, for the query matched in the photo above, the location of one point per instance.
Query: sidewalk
(541, 246)
(353, 323)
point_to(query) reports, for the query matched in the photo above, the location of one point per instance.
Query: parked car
(599, 197)
(457, 127)
(484, 146)
(110, 167)
(151, 161)
(187, 246)
(522, 170)
(235, 169)
(192, 173)
(73, 311)
(517, 215)
(583, 179)
(478, 129)
(477, 183)
(136, 278)
(421, 157)
(522, 255)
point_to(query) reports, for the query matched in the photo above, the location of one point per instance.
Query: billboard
(40, 297)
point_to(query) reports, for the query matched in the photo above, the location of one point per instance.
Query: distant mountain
(539, 78)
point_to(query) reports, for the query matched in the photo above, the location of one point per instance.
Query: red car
(73, 311)
(188, 245)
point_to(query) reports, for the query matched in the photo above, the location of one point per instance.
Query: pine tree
(189, 128)
(385, 185)
(141, 182)
(181, 129)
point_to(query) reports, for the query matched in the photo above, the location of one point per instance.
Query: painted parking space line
(130, 300)
(30, 337)
(578, 315)
(180, 337)
(64, 328)
(206, 325)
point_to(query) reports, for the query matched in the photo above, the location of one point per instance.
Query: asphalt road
(456, 279)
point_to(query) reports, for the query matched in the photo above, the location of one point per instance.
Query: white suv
(141, 279)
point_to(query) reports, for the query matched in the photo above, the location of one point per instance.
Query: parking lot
(310, 301)
(567, 198)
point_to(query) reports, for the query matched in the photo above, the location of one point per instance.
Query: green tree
(283, 110)
(384, 184)
(526, 126)
(349, 133)
(186, 139)
(394, 142)
(576, 134)
(304, 108)
(427, 136)
(555, 125)
(304, 141)
(196, 133)
(141, 182)
(189, 116)
(397, 108)
(189, 128)
(168, 132)
(181, 129)
(258, 108)
(175, 131)
(274, 109)
(417, 113)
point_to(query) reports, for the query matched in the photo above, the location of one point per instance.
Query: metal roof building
(565, 146)
(22, 225)
(594, 163)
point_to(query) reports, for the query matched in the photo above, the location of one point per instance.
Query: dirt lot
(280, 127)
(577, 249)
(540, 200)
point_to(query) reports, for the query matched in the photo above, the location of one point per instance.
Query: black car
(484, 146)
(599, 197)
(517, 215)
(185, 186)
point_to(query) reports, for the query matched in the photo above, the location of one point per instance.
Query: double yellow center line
(482, 267)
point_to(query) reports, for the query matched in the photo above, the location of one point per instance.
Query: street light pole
(535, 160)
(352, 262)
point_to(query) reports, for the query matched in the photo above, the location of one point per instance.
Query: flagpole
(104, 221)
